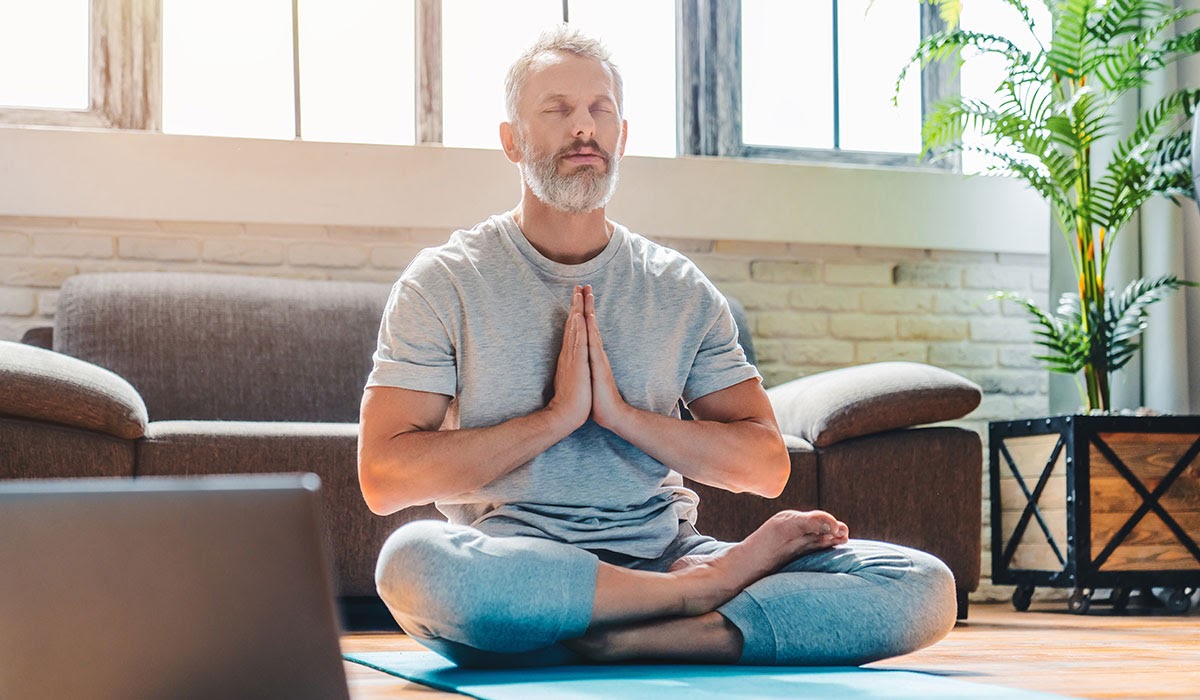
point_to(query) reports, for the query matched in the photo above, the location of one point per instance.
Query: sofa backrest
(227, 347)
(233, 347)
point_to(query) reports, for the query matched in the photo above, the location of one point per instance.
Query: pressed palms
(1055, 102)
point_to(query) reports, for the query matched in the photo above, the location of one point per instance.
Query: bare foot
(786, 535)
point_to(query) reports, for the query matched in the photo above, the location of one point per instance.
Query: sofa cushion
(326, 449)
(729, 517)
(43, 385)
(36, 450)
(920, 488)
(832, 406)
(227, 347)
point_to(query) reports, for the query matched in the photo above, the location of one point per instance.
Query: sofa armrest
(840, 404)
(40, 337)
(42, 385)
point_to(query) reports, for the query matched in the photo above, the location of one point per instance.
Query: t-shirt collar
(507, 224)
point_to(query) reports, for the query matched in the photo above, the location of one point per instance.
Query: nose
(583, 126)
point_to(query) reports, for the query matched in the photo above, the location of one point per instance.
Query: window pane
(645, 52)
(480, 39)
(872, 48)
(356, 71)
(227, 68)
(982, 74)
(44, 53)
(787, 73)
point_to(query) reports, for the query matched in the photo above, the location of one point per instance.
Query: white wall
(47, 172)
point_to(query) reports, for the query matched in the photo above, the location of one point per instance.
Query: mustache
(579, 144)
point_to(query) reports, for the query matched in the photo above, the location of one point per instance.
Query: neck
(565, 238)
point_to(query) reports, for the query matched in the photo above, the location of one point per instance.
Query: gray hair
(565, 39)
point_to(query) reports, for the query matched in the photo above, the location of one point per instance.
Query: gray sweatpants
(508, 601)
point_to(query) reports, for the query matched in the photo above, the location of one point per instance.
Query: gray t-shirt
(480, 319)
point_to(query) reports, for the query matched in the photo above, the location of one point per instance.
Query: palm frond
(1179, 103)
(1063, 335)
(1071, 39)
(1126, 17)
(1125, 316)
(940, 46)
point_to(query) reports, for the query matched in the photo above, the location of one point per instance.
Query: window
(53, 35)
(981, 75)
(806, 81)
(361, 90)
(758, 78)
(229, 69)
(98, 63)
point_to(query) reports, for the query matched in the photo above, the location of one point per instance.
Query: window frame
(124, 72)
(709, 91)
(125, 82)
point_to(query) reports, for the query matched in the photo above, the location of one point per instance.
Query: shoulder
(441, 268)
(671, 270)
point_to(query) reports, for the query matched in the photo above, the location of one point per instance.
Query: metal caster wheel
(1180, 600)
(1120, 598)
(1021, 598)
(1080, 601)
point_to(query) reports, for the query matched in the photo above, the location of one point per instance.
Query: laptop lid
(209, 587)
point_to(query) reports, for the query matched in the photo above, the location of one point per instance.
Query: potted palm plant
(1085, 501)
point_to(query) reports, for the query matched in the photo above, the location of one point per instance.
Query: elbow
(373, 496)
(776, 473)
(380, 495)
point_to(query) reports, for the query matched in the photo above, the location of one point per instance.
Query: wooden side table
(1088, 502)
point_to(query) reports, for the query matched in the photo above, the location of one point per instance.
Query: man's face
(569, 133)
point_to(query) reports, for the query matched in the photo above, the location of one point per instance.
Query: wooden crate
(1090, 502)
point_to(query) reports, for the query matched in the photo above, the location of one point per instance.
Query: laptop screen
(207, 587)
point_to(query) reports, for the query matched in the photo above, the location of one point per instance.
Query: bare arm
(733, 444)
(405, 460)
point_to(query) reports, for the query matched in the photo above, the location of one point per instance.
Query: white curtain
(1170, 244)
(1162, 239)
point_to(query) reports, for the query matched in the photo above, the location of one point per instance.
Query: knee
(439, 581)
(411, 560)
(932, 602)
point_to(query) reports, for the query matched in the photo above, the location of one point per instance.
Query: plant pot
(1088, 502)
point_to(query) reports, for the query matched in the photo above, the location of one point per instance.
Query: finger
(570, 342)
(589, 299)
(594, 340)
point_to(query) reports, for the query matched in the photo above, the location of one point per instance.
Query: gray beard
(582, 191)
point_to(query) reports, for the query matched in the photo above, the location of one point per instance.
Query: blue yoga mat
(679, 682)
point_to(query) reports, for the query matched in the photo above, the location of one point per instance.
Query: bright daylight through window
(809, 79)
(44, 53)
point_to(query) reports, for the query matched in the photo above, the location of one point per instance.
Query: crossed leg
(671, 616)
(487, 601)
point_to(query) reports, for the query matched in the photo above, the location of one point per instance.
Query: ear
(508, 142)
(624, 138)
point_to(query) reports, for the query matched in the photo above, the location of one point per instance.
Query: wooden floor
(1098, 655)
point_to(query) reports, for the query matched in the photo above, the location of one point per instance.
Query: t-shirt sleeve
(720, 362)
(414, 350)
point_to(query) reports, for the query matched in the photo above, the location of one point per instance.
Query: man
(527, 382)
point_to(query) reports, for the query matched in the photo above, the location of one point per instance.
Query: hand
(608, 407)
(572, 400)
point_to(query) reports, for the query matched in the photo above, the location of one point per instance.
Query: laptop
(207, 587)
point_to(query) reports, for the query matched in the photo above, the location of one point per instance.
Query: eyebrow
(559, 96)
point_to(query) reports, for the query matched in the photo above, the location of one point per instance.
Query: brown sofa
(173, 374)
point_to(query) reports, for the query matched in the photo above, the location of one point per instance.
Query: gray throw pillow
(829, 407)
(39, 384)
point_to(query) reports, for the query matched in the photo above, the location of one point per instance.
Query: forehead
(562, 73)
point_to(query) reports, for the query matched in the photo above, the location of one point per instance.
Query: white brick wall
(812, 307)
